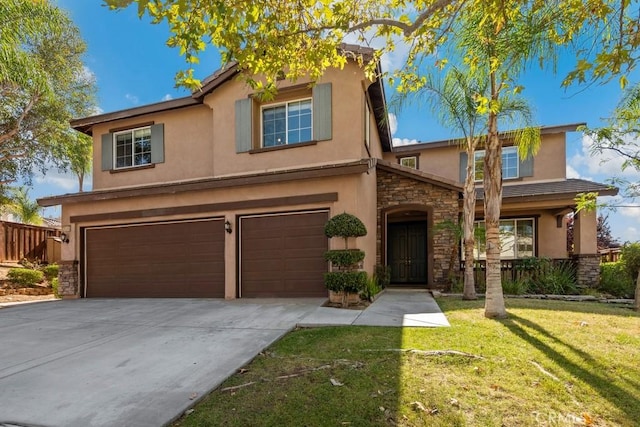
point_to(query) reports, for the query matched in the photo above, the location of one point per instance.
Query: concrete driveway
(99, 362)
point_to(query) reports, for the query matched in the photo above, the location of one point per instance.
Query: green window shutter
(243, 125)
(322, 112)
(463, 166)
(157, 143)
(526, 166)
(107, 151)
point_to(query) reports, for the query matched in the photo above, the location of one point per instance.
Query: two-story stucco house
(220, 194)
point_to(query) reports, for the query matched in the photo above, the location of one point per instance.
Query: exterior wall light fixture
(64, 238)
(227, 226)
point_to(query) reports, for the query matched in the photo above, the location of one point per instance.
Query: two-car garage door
(280, 255)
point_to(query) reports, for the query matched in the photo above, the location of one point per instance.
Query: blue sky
(133, 66)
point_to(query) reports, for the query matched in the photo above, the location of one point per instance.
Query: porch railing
(515, 269)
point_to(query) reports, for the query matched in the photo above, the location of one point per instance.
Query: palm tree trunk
(469, 211)
(494, 304)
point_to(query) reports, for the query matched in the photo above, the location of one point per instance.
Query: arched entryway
(407, 245)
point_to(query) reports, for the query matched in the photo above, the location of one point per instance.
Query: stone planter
(352, 298)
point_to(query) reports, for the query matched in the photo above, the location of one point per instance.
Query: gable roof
(426, 145)
(551, 190)
(436, 180)
(226, 73)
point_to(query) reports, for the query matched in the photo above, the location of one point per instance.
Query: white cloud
(607, 164)
(66, 182)
(87, 75)
(131, 98)
(393, 123)
(572, 173)
(167, 97)
(631, 210)
(96, 111)
(404, 141)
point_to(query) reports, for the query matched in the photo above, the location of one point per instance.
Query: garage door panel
(180, 259)
(283, 255)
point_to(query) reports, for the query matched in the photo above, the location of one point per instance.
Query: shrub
(344, 257)
(347, 281)
(54, 286)
(345, 225)
(630, 256)
(515, 287)
(555, 279)
(615, 280)
(25, 276)
(50, 271)
(371, 288)
(383, 274)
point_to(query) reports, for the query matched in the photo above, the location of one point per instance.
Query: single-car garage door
(283, 255)
(167, 260)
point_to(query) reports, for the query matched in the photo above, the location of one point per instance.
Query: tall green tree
(302, 37)
(43, 84)
(455, 100)
(26, 210)
(76, 155)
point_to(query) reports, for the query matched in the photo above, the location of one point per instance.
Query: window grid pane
(287, 124)
(509, 163)
(274, 126)
(478, 166)
(133, 148)
(517, 239)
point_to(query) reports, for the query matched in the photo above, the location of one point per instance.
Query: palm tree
(26, 210)
(454, 100)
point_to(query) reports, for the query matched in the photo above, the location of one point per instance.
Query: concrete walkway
(143, 362)
(394, 307)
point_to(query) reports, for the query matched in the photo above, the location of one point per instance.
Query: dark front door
(407, 252)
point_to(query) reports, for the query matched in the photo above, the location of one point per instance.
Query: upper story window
(300, 115)
(510, 164)
(133, 147)
(409, 162)
(137, 146)
(287, 123)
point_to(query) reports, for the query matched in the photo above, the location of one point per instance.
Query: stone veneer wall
(587, 270)
(397, 190)
(68, 280)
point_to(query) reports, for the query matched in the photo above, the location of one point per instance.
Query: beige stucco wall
(356, 195)
(199, 141)
(549, 163)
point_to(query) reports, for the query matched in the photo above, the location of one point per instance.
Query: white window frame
(505, 150)
(286, 104)
(476, 249)
(133, 152)
(415, 162)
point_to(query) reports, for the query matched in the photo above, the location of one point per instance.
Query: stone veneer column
(587, 270)
(68, 280)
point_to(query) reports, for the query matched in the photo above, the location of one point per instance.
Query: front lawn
(551, 363)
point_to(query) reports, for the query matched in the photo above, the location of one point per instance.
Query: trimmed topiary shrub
(25, 276)
(345, 225)
(346, 281)
(344, 257)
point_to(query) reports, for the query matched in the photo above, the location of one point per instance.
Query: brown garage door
(168, 260)
(283, 255)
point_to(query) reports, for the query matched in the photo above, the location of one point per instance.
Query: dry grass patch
(550, 364)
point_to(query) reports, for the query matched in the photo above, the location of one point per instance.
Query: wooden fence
(18, 241)
(517, 269)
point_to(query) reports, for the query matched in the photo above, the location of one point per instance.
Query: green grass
(590, 355)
